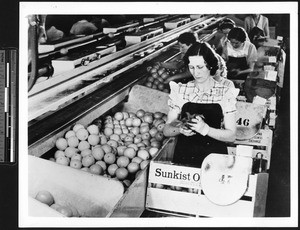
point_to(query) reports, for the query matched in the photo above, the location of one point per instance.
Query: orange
(146, 136)
(83, 145)
(123, 161)
(118, 130)
(125, 115)
(160, 127)
(128, 139)
(136, 122)
(77, 127)
(144, 164)
(112, 169)
(120, 150)
(159, 136)
(82, 134)
(115, 137)
(52, 159)
(70, 133)
(155, 144)
(103, 139)
(62, 160)
(70, 151)
(129, 121)
(59, 153)
(118, 116)
(153, 131)
(96, 169)
(129, 152)
(133, 167)
(137, 160)
(146, 142)
(137, 139)
(93, 129)
(86, 152)
(86, 169)
(66, 211)
(76, 164)
(143, 154)
(107, 148)
(88, 160)
(108, 131)
(112, 143)
(61, 143)
(73, 141)
(148, 118)
(76, 156)
(102, 164)
(140, 113)
(45, 197)
(93, 139)
(135, 130)
(122, 136)
(140, 145)
(125, 131)
(158, 115)
(153, 151)
(121, 173)
(109, 158)
(98, 153)
(144, 129)
(109, 125)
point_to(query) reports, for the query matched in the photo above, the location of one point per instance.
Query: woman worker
(257, 24)
(223, 29)
(186, 42)
(212, 106)
(239, 53)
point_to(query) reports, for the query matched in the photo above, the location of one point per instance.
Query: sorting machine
(57, 102)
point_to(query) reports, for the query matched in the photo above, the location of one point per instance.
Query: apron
(192, 150)
(236, 63)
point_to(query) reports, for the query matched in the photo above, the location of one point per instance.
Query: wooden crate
(190, 200)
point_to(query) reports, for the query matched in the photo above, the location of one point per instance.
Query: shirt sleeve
(252, 54)
(175, 101)
(230, 100)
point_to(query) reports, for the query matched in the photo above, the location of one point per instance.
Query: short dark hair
(209, 55)
(237, 33)
(187, 38)
(227, 23)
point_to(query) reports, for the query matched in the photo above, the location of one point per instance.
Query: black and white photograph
(153, 114)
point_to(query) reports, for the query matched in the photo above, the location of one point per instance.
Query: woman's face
(235, 43)
(183, 47)
(198, 68)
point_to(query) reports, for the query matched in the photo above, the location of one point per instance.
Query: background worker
(257, 26)
(212, 104)
(220, 37)
(185, 41)
(239, 53)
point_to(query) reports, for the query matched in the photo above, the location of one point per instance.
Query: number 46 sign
(249, 118)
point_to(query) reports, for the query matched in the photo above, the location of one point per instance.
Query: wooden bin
(191, 202)
(93, 195)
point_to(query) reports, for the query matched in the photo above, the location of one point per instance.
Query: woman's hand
(199, 126)
(186, 132)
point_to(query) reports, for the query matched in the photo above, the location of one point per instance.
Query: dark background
(278, 203)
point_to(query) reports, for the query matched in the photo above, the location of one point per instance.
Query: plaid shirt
(219, 93)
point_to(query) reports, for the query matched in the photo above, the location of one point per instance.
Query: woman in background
(239, 53)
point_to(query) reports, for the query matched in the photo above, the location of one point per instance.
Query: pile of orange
(121, 148)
